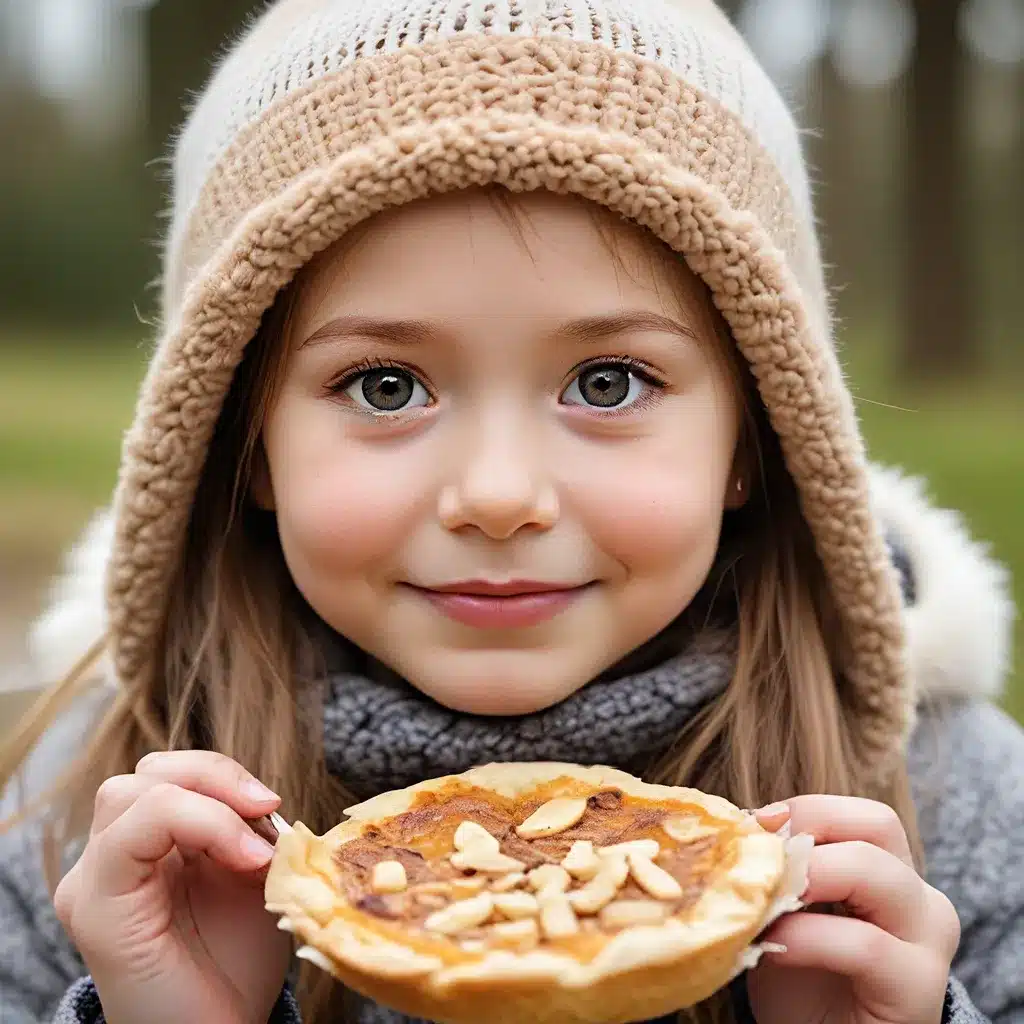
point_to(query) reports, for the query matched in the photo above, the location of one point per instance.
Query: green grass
(967, 440)
(63, 409)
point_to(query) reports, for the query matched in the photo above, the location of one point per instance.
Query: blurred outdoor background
(914, 113)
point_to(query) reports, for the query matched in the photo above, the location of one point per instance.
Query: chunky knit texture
(81, 1005)
(385, 734)
(328, 111)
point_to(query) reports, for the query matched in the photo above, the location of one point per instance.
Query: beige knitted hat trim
(664, 175)
(561, 81)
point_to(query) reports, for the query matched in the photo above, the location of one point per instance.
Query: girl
(495, 415)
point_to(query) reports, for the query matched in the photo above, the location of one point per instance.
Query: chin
(496, 693)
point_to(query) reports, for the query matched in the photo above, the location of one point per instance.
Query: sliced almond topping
(553, 817)
(471, 835)
(433, 888)
(461, 887)
(508, 882)
(429, 900)
(473, 946)
(389, 876)
(521, 934)
(648, 848)
(625, 913)
(549, 878)
(516, 905)
(581, 861)
(490, 862)
(557, 920)
(461, 916)
(602, 888)
(686, 828)
(315, 896)
(654, 880)
(457, 887)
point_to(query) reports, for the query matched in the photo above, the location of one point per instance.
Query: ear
(736, 492)
(261, 487)
(738, 484)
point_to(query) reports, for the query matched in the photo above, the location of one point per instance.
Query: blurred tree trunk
(940, 336)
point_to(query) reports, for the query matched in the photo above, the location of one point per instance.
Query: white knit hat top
(328, 111)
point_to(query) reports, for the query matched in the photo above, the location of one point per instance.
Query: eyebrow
(582, 329)
(402, 332)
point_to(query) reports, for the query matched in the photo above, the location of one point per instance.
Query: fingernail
(265, 828)
(257, 791)
(773, 810)
(257, 851)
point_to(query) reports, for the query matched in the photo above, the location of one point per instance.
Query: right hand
(166, 902)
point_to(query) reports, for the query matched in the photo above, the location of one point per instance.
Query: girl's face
(502, 445)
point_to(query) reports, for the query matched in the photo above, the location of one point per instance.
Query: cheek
(342, 507)
(654, 520)
(656, 506)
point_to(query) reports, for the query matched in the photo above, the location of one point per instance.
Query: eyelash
(638, 367)
(364, 366)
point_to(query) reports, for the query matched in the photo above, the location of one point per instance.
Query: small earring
(739, 485)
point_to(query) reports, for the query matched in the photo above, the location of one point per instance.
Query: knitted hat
(328, 111)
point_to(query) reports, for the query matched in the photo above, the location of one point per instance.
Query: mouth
(513, 605)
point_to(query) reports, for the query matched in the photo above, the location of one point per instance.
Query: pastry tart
(527, 893)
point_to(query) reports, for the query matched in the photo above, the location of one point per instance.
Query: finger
(944, 928)
(119, 792)
(114, 797)
(773, 817)
(166, 817)
(872, 883)
(844, 819)
(66, 894)
(844, 945)
(213, 775)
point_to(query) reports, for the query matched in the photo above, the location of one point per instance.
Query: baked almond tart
(528, 893)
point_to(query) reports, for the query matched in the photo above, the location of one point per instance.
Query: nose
(501, 486)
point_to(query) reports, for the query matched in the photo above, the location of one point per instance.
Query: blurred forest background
(914, 113)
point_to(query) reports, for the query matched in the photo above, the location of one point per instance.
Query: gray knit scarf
(380, 733)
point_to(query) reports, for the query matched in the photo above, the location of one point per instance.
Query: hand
(888, 961)
(166, 902)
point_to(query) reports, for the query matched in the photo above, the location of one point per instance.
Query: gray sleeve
(967, 765)
(81, 1005)
(38, 962)
(959, 1009)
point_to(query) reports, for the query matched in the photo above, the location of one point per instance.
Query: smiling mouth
(513, 605)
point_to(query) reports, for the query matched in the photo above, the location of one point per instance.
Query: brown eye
(608, 386)
(387, 390)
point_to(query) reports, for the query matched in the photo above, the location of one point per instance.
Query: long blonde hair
(236, 655)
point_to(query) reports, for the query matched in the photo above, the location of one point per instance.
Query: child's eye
(387, 390)
(612, 386)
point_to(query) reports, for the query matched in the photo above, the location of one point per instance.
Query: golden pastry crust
(535, 911)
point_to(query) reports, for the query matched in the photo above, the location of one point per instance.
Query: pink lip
(513, 588)
(501, 606)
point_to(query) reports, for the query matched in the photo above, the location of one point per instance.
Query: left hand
(888, 961)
